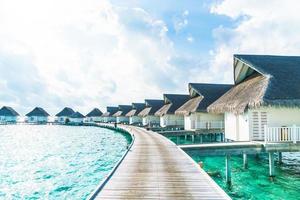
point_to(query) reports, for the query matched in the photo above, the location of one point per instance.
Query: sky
(94, 53)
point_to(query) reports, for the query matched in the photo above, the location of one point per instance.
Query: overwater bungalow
(108, 115)
(77, 118)
(134, 119)
(151, 106)
(37, 115)
(195, 109)
(64, 115)
(8, 115)
(121, 114)
(167, 115)
(94, 116)
(264, 103)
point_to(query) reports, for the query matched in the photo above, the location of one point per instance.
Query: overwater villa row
(261, 105)
(39, 116)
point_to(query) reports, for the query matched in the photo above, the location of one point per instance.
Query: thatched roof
(136, 109)
(95, 113)
(152, 105)
(37, 112)
(77, 115)
(261, 80)
(172, 103)
(202, 95)
(123, 110)
(110, 111)
(66, 112)
(8, 111)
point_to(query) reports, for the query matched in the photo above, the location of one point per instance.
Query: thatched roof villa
(148, 113)
(266, 94)
(167, 113)
(94, 116)
(121, 114)
(77, 118)
(8, 114)
(195, 109)
(64, 115)
(37, 115)
(108, 115)
(133, 113)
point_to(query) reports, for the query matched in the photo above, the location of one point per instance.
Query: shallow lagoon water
(56, 162)
(253, 183)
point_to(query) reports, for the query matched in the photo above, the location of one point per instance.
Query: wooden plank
(155, 168)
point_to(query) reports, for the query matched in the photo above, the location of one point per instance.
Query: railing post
(294, 134)
(266, 133)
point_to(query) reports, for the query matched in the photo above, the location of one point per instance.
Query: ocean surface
(56, 162)
(253, 183)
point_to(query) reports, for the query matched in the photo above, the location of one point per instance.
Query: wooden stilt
(271, 165)
(228, 170)
(280, 158)
(245, 161)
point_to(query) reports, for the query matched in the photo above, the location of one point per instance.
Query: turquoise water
(56, 162)
(254, 183)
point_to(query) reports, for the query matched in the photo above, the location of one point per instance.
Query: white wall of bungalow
(76, 120)
(172, 120)
(122, 120)
(94, 119)
(109, 119)
(202, 120)
(4, 119)
(151, 120)
(37, 119)
(264, 103)
(135, 120)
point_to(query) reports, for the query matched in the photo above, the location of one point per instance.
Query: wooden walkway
(155, 168)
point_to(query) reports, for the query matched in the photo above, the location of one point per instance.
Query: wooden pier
(155, 168)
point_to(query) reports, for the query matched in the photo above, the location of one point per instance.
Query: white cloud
(190, 39)
(84, 55)
(181, 21)
(263, 27)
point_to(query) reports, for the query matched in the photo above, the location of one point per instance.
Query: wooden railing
(207, 125)
(282, 134)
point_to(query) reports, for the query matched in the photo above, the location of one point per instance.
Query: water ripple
(56, 162)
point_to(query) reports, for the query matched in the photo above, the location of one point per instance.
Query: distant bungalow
(265, 99)
(195, 109)
(133, 114)
(77, 118)
(8, 114)
(152, 105)
(64, 115)
(37, 115)
(121, 114)
(94, 116)
(108, 116)
(167, 113)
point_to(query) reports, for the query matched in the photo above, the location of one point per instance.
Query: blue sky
(94, 53)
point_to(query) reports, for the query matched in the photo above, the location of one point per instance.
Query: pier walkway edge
(155, 168)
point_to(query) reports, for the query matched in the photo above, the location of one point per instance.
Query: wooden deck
(155, 168)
